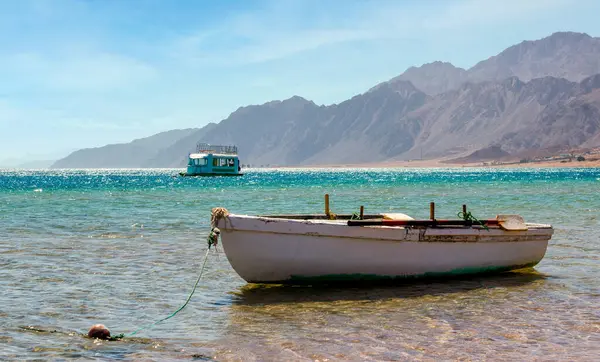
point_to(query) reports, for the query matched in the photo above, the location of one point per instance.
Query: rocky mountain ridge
(569, 55)
(523, 106)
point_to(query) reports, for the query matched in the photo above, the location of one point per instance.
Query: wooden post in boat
(432, 210)
(362, 212)
(327, 205)
(464, 212)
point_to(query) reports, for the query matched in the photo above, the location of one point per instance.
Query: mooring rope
(148, 326)
(217, 214)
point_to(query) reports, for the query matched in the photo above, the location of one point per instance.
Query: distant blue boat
(213, 160)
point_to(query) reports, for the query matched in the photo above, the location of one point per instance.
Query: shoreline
(425, 164)
(440, 164)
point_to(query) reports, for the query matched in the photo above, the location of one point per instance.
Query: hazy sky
(77, 74)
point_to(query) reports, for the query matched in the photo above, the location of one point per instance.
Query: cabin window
(200, 162)
(223, 162)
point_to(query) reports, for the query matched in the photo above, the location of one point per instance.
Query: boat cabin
(213, 160)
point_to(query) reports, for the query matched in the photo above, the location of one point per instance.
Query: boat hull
(184, 174)
(270, 250)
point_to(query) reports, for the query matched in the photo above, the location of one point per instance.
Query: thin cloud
(276, 32)
(466, 14)
(196, 49)
(94, 124)
(273, 33)
(9, 113)
(93, 72)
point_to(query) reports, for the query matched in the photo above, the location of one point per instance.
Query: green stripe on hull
(345, 278)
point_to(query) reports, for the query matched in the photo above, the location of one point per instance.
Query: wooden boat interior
(323, 217)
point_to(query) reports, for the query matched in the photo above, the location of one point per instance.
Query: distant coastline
(425, 164)
(438, 163)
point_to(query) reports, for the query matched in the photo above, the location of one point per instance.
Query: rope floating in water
(148, 326)
(217, 214)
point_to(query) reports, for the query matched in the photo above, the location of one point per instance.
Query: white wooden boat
(311, 248)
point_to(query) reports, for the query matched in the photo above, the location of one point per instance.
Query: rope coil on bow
(216, 214)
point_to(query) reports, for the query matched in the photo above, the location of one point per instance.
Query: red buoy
(99, 331)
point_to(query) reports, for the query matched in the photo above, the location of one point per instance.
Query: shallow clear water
(124, 247)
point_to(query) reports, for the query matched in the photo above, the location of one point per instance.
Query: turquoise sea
(124, 248)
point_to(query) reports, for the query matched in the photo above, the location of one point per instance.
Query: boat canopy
(204, 155)
(214, 149)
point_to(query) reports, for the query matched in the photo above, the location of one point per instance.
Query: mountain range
(536, 95)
